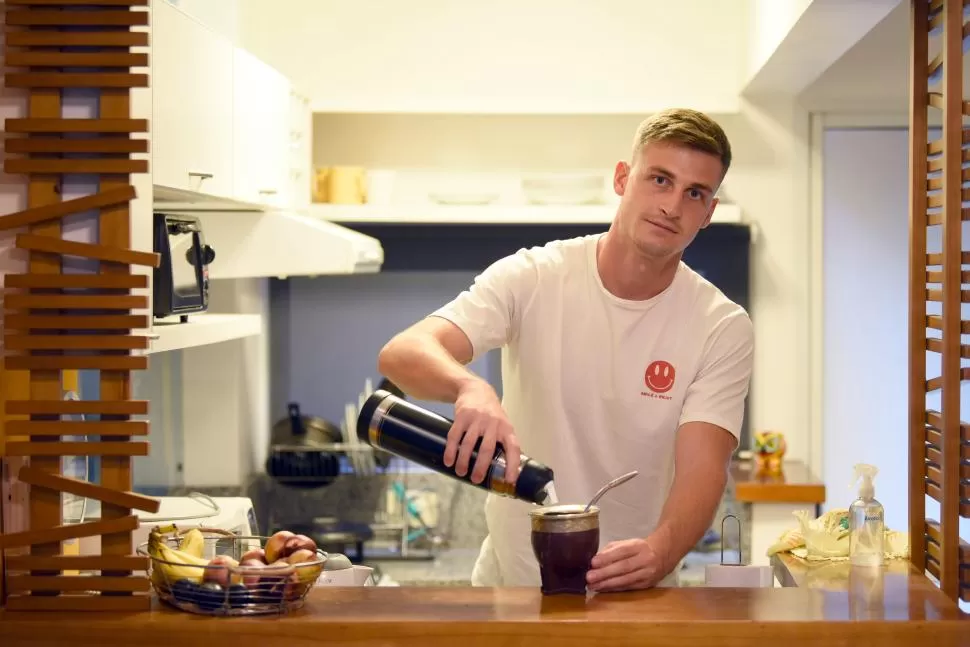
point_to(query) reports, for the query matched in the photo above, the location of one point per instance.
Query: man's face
(666, 197)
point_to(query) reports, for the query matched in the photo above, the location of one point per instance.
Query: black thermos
(395, 425)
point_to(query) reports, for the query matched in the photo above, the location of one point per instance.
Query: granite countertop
(451, 567)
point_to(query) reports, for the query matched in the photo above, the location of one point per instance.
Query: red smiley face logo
(660, 376)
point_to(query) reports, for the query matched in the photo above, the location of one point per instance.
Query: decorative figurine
(769, 450)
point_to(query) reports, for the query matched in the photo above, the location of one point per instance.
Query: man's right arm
(427, 361)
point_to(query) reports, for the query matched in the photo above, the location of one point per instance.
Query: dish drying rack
(400, 519)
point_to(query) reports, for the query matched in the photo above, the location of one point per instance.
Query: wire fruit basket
(215, 572)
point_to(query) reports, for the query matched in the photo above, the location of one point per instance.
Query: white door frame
(819, 122)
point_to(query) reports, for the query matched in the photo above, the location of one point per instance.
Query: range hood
(255, 241)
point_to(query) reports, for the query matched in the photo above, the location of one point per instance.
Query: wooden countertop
(794, 484)
(907, 611)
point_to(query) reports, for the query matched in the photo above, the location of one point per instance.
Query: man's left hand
(626, 565)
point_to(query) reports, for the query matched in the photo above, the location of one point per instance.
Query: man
(616, 356)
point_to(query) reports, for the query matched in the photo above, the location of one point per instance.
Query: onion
(275, 545)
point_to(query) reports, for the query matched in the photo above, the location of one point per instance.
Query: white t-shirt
(596, 386)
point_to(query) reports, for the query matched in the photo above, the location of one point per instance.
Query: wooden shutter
(939, 442)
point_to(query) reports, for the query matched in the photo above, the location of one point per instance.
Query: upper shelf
(487, 214)
(202, 329)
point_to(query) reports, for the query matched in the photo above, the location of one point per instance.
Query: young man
(616, 356)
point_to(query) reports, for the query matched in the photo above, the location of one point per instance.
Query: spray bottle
(867, 528)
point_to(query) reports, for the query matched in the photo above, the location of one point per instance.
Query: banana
(193, 542)
(180, 565)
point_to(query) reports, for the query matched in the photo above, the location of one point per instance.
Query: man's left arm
(710, 425)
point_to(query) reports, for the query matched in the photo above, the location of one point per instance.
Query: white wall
(506, 55)
(866, 258)
(770, 22)
(866, 309)
(219, 15)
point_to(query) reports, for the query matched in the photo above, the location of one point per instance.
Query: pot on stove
(304, 450)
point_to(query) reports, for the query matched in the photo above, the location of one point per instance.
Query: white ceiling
(874, 75)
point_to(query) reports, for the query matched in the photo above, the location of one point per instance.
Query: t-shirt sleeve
(490, 310)
(717, 395)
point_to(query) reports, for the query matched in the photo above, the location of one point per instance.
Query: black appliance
(180, 284)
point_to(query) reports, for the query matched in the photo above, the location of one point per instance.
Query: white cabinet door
(261, 107)
(300, 153)
(191, 104)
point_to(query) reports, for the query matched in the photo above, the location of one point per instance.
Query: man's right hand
(479, 414)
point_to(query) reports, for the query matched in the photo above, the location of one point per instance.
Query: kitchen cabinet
(300, 150)
(261, 126)
(192, 112)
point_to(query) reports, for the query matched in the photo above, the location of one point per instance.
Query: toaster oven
(180, 284)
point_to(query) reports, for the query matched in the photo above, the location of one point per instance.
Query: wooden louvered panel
(77, 562)
(76, 80)
(76, 39)
(41, 146)
(58, 210)
(939, 441)
(59, 125)
(936, 296)
(74, 322)
(75, 428)
(59, 449)
(81, 3)
(57, 363)
(937, 277)
(936, 323)
(936, 346)
(937, 382)
(76, 342)
(88, 145)
(936, 165)
(86, 250)
(937, 259)
(78, 407)
(15, 58)
(932, 454)
(936, 201)
(40, 18)
(76, 281)
(75, 302)
(936, 183)
(936, 218)
(91, 165)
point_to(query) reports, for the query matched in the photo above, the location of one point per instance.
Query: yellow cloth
(827, 538)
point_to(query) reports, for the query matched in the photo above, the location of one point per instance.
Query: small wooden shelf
(795, 484)
(202, 329)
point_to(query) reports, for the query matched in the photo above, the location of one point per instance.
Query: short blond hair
(689, 127)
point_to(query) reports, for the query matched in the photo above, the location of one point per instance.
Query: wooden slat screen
(57, 321)
(939, 442)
